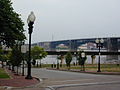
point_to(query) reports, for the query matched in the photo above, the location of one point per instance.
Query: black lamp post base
(98, 71)
(28, 77)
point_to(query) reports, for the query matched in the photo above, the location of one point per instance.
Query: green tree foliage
(38, 53)
(16, 57)
(8, 56)
(3, 56)
(68, 59)
(1, 51)
(11, 25)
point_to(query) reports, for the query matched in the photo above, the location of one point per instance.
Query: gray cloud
(71, 19)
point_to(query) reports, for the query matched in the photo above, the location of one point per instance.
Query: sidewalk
(17, 81)
(91, 72)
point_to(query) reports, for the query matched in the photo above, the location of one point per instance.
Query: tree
(81, 60)
(1, 56)
(11, 25)
(68, 59)
(16, 58)
(8, 56)
(38, 53)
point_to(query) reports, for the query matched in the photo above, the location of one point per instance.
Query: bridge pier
(112, 46)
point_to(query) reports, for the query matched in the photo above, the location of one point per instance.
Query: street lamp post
(30, 21)
(99, 43)
(40, 60)
(58, 56)
(83, 57)
(75, 54)
(23, 50)
(21, 43)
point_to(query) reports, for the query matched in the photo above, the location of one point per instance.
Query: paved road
(93, 87)
(61, 80)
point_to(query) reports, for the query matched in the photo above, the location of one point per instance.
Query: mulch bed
(17, 81)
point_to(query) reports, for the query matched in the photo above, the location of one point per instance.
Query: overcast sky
(71, 19)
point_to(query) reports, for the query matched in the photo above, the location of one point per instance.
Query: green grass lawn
(3, 73)
(90, 67)
(104, 67)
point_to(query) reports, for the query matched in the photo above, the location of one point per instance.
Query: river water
(52, 59)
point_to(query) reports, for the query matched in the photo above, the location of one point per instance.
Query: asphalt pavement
(65, 80)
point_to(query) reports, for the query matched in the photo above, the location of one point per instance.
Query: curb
(89, 72)
(5, 88)
(55, 87)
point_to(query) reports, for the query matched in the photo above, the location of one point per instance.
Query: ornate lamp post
(75, 54)
(99, 43)
(58, 61)
(40, 60)
(83, 57)
(23, 50)
(30, 21)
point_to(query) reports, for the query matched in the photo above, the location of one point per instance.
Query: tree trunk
(13, 68)
(17, 70)
(37, 63)
(40, 64)
(9, 67)
(2, 64)
(93, 61)
(69, 67)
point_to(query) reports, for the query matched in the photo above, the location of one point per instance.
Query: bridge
(111, 47)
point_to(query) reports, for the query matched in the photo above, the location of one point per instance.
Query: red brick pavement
(17, 81)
